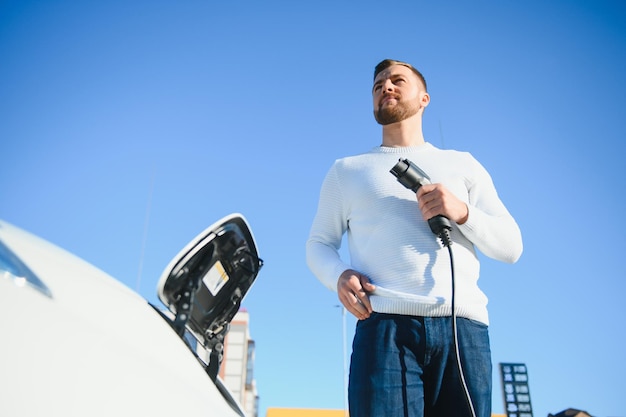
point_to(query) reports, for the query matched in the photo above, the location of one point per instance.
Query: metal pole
(345, 362)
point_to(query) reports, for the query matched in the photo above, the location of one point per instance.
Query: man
(398, 282)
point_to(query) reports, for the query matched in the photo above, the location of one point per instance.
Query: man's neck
(403, 134)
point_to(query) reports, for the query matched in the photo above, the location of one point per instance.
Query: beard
(394, 114)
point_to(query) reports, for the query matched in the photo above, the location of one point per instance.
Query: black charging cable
(455, 336)
(409, 175)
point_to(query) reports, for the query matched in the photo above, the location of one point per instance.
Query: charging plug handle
(409, 175)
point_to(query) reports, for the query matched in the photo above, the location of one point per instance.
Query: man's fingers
(361, 305)
(353, 289)
(367, 285)
(352, 302)
(363, 298)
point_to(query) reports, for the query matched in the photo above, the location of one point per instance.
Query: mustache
(386, 97)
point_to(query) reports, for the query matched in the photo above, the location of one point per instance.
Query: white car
(76, 342)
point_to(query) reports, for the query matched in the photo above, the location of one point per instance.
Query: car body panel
(91, 346)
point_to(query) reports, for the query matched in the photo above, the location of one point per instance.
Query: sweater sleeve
(490, 226)
(327, 230)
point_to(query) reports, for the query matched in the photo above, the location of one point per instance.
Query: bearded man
(420, 348)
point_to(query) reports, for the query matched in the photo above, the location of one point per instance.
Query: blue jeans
(404, 366)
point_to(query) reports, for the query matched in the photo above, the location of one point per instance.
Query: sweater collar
(403, 149)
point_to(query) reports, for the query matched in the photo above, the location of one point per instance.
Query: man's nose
(387, 86)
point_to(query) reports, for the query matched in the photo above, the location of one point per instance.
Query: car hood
(79, 342)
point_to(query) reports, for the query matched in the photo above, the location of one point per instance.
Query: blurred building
(236, 370)
(515, 389)
(238, 364)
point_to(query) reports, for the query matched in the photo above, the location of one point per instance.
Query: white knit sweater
(390, 242)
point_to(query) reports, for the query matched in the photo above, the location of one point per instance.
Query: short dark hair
(386, 63)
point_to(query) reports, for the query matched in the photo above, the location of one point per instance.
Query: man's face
(397, 95)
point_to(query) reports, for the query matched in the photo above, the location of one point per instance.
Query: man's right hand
(352, 289)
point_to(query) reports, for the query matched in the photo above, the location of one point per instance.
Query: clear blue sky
(127, 127)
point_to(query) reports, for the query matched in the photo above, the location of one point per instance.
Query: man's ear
(425, 99)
